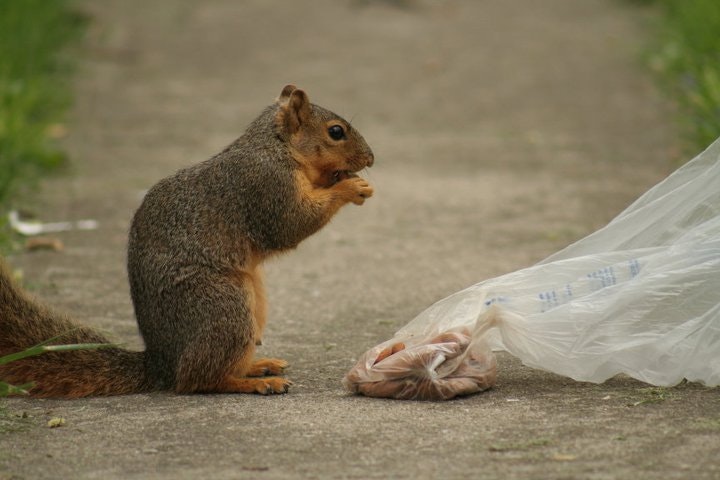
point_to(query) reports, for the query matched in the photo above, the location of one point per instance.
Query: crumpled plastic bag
(640, 296)
(434, 367)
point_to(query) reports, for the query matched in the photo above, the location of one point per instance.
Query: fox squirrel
(195, 251)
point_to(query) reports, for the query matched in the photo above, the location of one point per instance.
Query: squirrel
(195, 252)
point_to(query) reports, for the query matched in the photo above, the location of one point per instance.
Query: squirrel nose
(371, 159)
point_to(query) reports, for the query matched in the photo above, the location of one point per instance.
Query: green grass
(34, 91)
(7, 389)
(649, 395)
(686, 55)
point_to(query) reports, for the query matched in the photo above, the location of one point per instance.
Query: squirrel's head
(319, 138)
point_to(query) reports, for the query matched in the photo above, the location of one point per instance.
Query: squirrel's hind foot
(267, 366)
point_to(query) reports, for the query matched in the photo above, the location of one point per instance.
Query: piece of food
(386, 352)
(438, 368)
(461, 337)
(340, 175)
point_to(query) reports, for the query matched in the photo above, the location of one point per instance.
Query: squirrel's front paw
(361, 190)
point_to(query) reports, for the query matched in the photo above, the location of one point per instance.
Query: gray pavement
(502, 132)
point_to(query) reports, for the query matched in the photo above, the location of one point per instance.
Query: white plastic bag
(640, 296)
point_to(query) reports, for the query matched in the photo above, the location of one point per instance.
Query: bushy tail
(25, 323)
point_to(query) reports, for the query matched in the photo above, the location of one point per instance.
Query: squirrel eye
(336, 132)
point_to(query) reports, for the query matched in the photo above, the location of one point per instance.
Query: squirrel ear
(285, 94)
(296, 111)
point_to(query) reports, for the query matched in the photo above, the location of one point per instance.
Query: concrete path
(502, 132)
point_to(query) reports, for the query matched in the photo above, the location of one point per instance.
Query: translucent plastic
(431, 367)
(640, 296)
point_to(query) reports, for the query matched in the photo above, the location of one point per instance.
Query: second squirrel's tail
(70, 374)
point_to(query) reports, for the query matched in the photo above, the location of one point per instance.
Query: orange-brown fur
(195, 254)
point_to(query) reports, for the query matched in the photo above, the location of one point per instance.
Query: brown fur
(195, 252)
(25, 323)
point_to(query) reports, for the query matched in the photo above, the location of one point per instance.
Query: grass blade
(40, 349)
